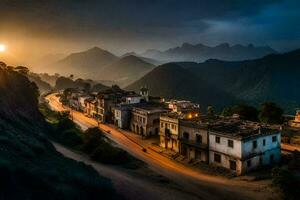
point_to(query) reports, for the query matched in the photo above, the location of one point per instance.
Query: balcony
(193, 143)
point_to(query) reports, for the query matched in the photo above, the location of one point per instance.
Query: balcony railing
(194, 143)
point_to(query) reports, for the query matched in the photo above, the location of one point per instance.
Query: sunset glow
(2, 47)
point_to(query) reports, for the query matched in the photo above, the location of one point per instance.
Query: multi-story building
(169, 131)
(145, 119)
(243, 146)
(122, 115)
(296, 122)
(107, 101)
(193, 136)
(91, 107)
(187, 108)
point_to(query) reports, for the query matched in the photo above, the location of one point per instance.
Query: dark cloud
(140, 24)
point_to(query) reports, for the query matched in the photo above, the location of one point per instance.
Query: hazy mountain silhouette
(200, 52)
(271, 78)
(84, 64)
(126, 70)
(173, 81)
(99, 64)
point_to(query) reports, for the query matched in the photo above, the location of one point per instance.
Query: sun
(2, 47)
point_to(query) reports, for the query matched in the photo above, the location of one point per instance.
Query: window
(172, 126)
(264, 142)
(198, 155)
(217, 158)
(232, 164)
(162, 125)
(198, 138)
(249, 163)
(186, 135)
(217, 139)
(274, 139)
(254, 144)
(271, 158)
(230, 143)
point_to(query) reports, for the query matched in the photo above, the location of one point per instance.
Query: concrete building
(81, 102)
(145, 119)
(186, 108)
(296, 122)
(91, 107)
(243, 146)
(169, 131)
(122, 115)
(193, 136)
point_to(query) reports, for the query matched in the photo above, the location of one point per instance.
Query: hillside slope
(126, 70)
(84, 64)
(173, 81)
(30, 167)
(271, 78)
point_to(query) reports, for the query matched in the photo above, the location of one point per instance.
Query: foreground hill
(126, 70)
(30, 167)
(173, 81)
(200, 52)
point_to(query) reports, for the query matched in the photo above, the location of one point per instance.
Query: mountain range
(272, 78)
(201, 52)
(99, 64)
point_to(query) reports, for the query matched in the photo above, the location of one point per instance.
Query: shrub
(287, 182)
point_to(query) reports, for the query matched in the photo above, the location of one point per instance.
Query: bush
(100, 149)
(287, 182)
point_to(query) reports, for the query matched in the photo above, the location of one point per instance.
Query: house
(243, 146)
(193, 137)
(81, 103)
(122, 115)
(296, 122)
(106, 100)
(131, 98)
(169, 131)
(145, 119)
(183, 107)
(91, 107)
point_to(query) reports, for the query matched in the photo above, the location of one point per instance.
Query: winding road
(185, 182)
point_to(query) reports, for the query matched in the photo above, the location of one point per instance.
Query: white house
(243, 147)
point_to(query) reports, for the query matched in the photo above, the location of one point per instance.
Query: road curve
(193, 184)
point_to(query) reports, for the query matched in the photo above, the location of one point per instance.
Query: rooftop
(240, 129)
(150, 107)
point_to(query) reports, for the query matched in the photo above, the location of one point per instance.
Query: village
(234, 144)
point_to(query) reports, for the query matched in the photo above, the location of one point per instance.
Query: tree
(227, 111)
(245, 112)
(271, 113)
(210, 111)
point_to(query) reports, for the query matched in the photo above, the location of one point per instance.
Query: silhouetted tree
(271, 113)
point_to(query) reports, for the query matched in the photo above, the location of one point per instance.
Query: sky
(32, 29)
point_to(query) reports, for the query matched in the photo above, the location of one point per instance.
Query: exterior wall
(144, 123)
(225, 161)
(191, 148)
(248, 149)
(246, 157)
(122, 118)
(169, 133)
(133, 100)
(222, 147)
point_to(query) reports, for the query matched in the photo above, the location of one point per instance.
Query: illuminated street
(193, 183)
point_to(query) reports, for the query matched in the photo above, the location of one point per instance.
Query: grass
(92, 142)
